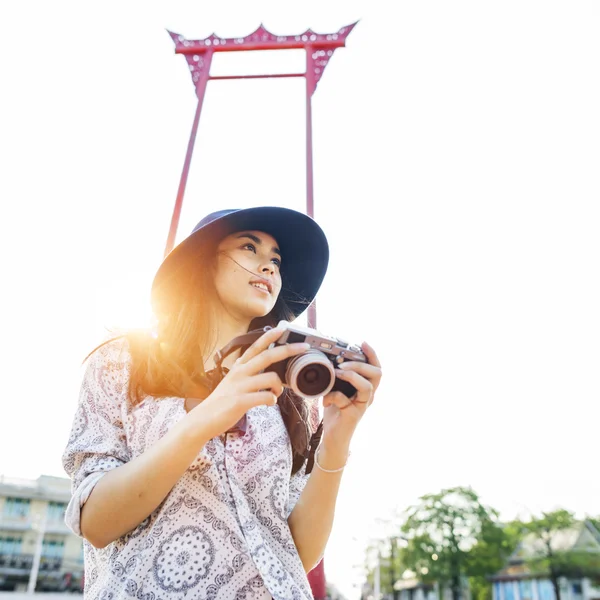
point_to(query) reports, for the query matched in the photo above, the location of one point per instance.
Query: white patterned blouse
(222, 531)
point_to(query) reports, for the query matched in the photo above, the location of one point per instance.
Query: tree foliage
(451, 535)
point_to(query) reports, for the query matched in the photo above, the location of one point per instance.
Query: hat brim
(303, 245)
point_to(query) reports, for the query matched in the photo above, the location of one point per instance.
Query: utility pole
(37, 557)
(392, 568)
(377, 583)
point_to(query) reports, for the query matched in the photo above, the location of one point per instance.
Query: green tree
(452, 535)
(553, 560)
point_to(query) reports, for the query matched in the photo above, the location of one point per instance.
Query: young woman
(191, 481)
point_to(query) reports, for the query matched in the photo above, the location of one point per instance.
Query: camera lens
(310, 375)
(313, 380)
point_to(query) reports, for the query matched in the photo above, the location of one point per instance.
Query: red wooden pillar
(317, 581)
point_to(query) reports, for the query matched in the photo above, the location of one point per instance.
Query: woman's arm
(311, 519)
(125, 496)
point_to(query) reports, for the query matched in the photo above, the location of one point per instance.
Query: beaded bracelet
(330, 470)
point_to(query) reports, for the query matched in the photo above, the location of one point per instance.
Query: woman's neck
(227, 330)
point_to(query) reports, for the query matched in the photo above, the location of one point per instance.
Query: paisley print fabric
(222, 531)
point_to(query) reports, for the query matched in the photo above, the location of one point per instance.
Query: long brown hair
(170, 361)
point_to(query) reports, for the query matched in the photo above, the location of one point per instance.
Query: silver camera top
(337, 349)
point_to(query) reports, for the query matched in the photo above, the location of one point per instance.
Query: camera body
(312, 373)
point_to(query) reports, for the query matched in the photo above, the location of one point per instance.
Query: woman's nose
(268, 268)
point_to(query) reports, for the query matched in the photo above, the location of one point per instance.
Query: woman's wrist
(197, 428)
(332, 456)
(335, 443)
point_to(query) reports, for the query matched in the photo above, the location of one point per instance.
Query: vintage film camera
(312, 373)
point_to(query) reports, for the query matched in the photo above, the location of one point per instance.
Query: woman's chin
(255, 310)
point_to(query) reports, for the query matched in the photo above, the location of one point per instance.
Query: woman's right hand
(246, 385)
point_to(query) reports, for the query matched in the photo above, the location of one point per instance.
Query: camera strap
(315, 440)
(239, 342)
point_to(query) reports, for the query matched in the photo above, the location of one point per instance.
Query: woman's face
(248, 277)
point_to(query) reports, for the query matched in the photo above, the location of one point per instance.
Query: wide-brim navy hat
(303, 245)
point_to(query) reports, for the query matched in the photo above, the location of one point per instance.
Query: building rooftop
(45, 487)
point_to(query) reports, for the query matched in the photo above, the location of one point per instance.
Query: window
(16, 508)
(56, 511)
(525, 590)
(10, 545)
(53, 548)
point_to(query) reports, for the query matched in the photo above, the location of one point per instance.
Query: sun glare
(124, 305)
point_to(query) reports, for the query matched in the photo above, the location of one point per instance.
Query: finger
(369, 372)
(364, 388)
(370, 354)
(365, 369)
(274, 355)
(262, 343)
(338, 399)
(265, 381)
(263, 398)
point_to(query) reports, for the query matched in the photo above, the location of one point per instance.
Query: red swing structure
(319, 48)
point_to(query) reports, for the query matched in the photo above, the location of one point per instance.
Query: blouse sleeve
(97, 443)
(299, 478)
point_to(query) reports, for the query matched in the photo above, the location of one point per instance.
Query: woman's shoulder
(112, 353)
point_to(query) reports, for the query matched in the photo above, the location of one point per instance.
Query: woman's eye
(276, 261)
(249, 246)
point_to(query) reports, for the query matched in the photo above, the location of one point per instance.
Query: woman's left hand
(341, 414)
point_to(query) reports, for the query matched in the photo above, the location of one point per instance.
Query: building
(517, 582)
(34, 537)
(410, 587)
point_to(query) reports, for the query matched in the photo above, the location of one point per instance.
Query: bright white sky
(457, 152)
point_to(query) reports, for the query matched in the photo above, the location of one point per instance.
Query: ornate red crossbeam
(320, 48)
